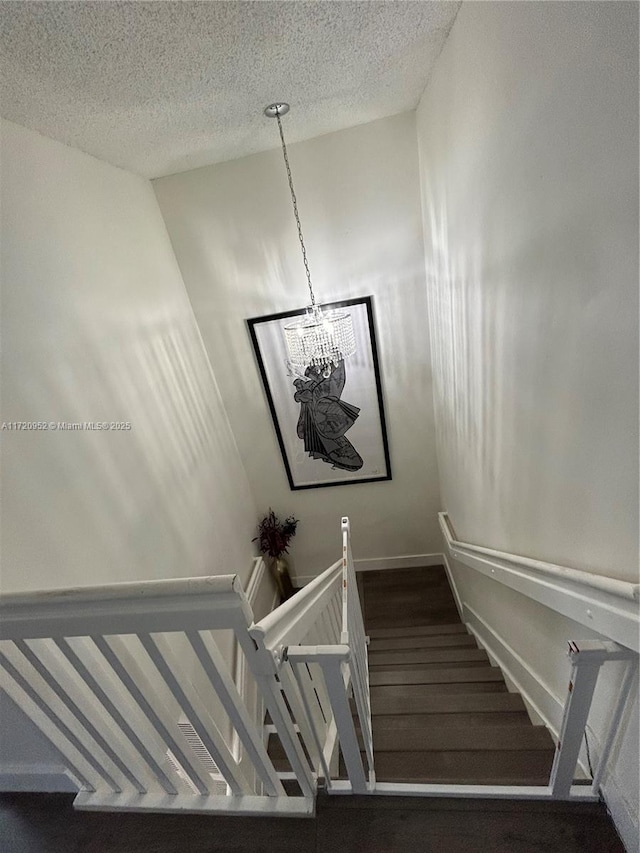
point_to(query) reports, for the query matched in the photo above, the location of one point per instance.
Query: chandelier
(320, 340)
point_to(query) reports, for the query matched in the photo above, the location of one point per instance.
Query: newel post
(586, 661)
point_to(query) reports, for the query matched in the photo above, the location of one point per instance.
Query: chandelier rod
(276, 111)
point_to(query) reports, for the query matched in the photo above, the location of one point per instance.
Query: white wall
(97, 326)
(528, 137)
(233, 232)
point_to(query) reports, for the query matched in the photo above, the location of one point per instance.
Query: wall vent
(179, 770)
(204, 756)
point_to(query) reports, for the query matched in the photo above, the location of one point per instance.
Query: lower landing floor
(47, 823)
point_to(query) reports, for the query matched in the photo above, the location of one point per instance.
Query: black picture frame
(359, 379)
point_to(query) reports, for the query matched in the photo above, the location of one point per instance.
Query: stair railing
(586, 661)
(299, 714)
(354, 636)
(131, 685)
(315, 645)
(611, 608)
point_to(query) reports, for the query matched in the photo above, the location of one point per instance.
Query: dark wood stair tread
(425, 699)
(416, 693)
(388, 644)
(410, 615)
(454, 627)
(460, 719)
(419, 587)
(432, 596)
(432, 599)
(439, 675)
(473, 767)
(418, 656)
(422, 591)
(373, 578)
(461, 738)
(377, 802)
(412, 619)
(451, 664)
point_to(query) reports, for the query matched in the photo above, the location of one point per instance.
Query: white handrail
(124, 608)
(293, 615)
(168, 588)
(621, 589)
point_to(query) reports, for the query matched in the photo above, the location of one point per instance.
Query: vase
(280, 572)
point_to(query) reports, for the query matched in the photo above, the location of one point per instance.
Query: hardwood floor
(376, 825)
(46, 823)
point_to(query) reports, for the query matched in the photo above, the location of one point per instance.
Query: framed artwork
(330, 427)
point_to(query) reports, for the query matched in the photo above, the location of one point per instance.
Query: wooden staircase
(441, 712)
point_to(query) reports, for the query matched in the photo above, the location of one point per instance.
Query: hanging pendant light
(321, 339)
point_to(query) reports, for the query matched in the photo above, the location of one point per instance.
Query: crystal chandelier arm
(295, 207)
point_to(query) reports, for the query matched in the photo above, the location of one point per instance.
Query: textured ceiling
(163, 87)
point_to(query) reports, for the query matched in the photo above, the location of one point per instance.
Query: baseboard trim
(454, 588)
(622, 813)
(543, 705)
(44, 778)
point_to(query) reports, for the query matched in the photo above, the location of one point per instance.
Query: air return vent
(204, 757)
(179, 770)
(193, 739)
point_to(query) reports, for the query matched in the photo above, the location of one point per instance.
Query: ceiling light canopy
(321, 339)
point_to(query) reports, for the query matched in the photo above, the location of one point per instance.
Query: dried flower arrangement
(274, 535)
